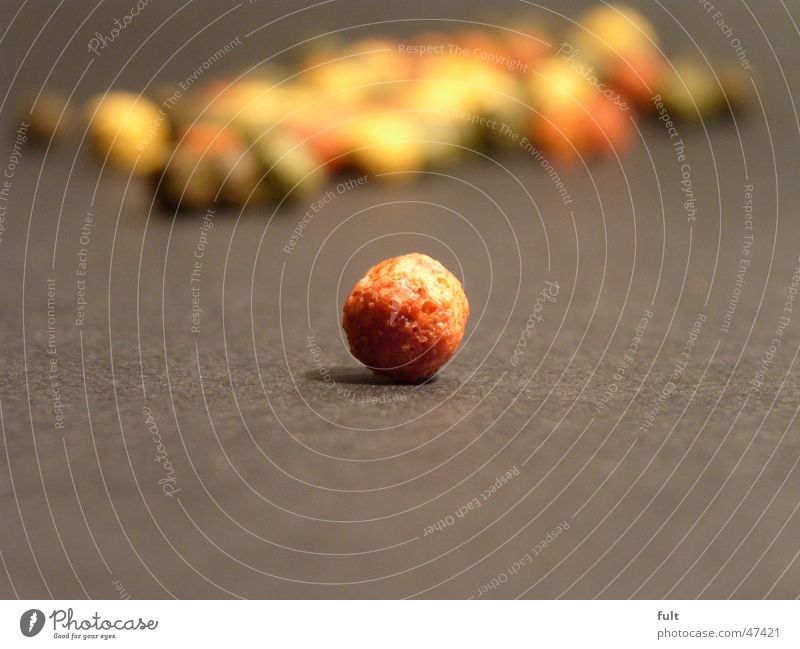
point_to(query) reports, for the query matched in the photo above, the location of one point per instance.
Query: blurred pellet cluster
(390, 107)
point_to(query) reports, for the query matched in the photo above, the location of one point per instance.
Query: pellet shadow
(359, 376)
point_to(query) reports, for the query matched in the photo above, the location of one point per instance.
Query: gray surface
(291, 488)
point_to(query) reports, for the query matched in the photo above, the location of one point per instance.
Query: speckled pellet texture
(406, 317)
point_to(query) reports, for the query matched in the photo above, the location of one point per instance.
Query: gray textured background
(291, 488)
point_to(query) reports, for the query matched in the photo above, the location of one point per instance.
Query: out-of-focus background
(181, 416)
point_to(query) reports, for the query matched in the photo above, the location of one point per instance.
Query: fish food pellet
(130, 131)
(406, 317)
